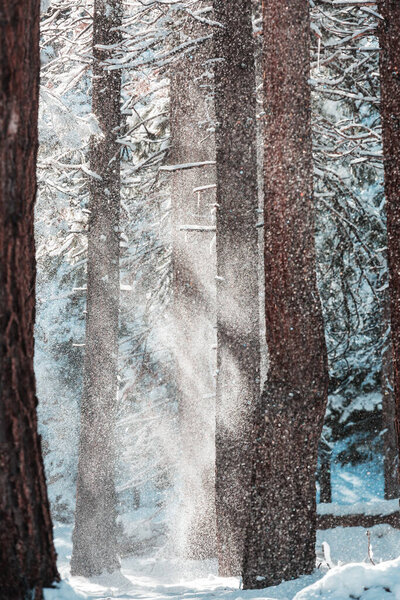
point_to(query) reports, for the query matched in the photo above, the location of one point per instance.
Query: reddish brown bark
(389, 39)
(194, 293)
(94, 537)
(238, 325)
(27, 555)
(280, 543)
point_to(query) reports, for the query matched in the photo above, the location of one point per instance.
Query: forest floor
(161, 578)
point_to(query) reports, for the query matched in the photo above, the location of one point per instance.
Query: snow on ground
(382, 507)
(162, 578)
(361, 581)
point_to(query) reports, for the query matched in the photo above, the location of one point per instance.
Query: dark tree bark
(389, 438)
(389, 39)
(358, 520)
(324, 474)
(27, 555)
(280, 542)
(238, 325)
(193, 264)
(94, 537)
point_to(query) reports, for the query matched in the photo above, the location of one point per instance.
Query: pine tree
(238, 327)
(389, 39)
(27, 555)
(280, 542)
(94, 537)
(351, 227)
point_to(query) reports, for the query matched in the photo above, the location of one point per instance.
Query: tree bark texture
(238, 323)
(324, 473)
(389, 438)
(193, 264)
(94, 536)
(27, 555)
(280, 542)
(389, 39)
(358, 520)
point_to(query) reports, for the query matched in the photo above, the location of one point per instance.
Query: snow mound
(63, 591)
(357, 581)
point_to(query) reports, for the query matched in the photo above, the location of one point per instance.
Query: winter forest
(199, 299)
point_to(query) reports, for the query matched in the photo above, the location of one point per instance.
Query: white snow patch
(361, 581)
(63, 591)
(383, 507)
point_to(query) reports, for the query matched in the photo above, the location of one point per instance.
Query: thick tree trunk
(27, 555)
(194, 294)
(94, 537)
(280, 542)
(389, 38)
(238, 325)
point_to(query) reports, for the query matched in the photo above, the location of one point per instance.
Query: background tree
(27, 555)
(66, 124)
(148, 468)
(95, 535)
(280, 542)
(351, 245)
(65, 127)
(193, 282)
(389, 39)
(390, 441)
(238, 325)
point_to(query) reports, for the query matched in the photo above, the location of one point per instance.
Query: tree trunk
(27, 555)
(358, 520)
(238, 324)
(390, 449)
(193, 264)
(324, 474)
(94, 537)
(280, 542)
(389, 39)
